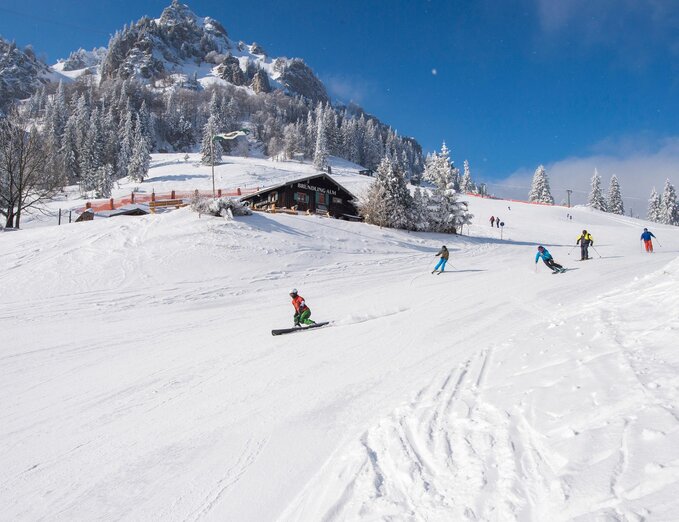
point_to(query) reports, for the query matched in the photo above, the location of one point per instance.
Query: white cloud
(348, 89)
(638, 168)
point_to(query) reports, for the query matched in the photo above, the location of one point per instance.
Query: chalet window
(301, 197)
(273, 197)
(336, 201)
(321, 199)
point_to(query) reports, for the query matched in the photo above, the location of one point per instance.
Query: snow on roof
(298, 180)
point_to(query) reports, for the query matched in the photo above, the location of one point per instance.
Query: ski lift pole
(212, 161)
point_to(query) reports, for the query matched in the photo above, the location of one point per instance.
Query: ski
(298, 328)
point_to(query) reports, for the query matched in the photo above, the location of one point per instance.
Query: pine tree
(654, 207)
(669, 209)
(466, 184)
(450, 214)
(389, 203)
(596, 195)
(208, 146)
(91, 152)
(103, 181)
(321, 148)
(399, 202)
(539, 190)
(614, 203)
(420, 211)
(139, 162)
(126, 145)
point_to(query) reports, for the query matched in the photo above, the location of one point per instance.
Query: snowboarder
(444, 254)
(548, 259)
(302, 311)
(646, 238)
(585, 240)
(492, 221)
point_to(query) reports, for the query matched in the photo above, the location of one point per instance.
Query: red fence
(136, 197)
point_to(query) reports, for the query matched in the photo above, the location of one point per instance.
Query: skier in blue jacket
(548, 259)
(646, 238)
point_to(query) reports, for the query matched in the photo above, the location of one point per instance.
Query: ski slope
(140, 380)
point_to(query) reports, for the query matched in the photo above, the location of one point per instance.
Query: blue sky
(507, 84)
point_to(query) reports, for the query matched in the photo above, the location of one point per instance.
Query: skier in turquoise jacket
(548, 259)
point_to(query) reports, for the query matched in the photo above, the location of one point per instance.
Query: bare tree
(24, 182)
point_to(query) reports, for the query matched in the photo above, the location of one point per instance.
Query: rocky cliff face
(21, 73)
(298, 78)
(177, 48)
(179, 42)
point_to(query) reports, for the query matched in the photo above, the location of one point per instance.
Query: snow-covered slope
(140, 380)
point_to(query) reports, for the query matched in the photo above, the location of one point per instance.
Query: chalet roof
(298, 180)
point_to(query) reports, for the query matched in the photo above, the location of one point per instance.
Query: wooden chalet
(318, 194)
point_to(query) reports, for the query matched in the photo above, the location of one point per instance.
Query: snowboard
(298, 328)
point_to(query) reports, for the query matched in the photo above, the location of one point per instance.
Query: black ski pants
(553, 265)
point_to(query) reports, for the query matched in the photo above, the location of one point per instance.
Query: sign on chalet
(318, 193)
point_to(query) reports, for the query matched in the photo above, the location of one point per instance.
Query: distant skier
(444, 254)
(585, 240)
(548, 259)
(302, 311)
(497, 222)
(646, 238)
(492, 221)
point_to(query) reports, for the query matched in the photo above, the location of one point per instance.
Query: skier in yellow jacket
(585, 240)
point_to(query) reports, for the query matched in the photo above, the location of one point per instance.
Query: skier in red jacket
(302, 311)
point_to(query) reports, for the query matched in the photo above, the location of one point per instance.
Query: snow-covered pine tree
(539, 190)
(450, 214)
(614, 203)
(388, 202)
(147, 125)
(398, 198)
(321, 148)
(103, 181)
(91, 153)
(669, 209)
(596, 196)
(126, 145)
(466, 184)
(140, 160)
(654, 207)
(206, 151)
(420, 210)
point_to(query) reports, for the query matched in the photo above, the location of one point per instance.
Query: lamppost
(227, 136)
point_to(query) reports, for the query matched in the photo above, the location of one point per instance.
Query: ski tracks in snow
(446, 455)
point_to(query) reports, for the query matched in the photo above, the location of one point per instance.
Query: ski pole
(569, 252)
(597, 252)
(656, 240)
